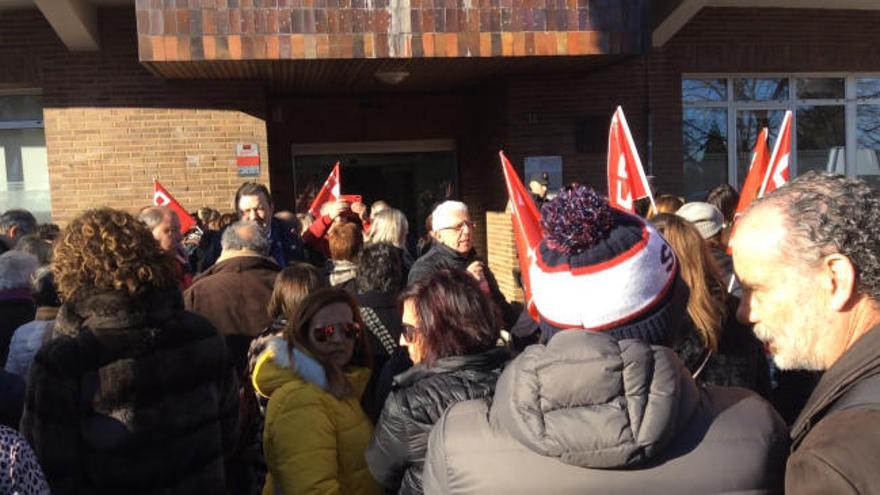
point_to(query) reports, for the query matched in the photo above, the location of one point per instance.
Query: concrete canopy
(685, 10)
(74, 21)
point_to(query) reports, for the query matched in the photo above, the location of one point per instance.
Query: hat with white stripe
(603, 269)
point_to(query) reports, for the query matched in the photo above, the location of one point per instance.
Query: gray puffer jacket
(588, 414)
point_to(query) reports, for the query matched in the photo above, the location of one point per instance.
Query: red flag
(626, 178)
(329, 192)
(777, 173)
(526, 227)
(161, 197)
(757, 171)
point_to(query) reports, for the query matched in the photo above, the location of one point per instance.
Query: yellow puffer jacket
(313, 443)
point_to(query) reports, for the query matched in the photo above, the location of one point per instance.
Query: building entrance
(409, 179)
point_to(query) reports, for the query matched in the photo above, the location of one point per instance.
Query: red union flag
(754, 179)
(757, 171)
(161, 197)
(526, 227)
(329, 192)
(777, 172)
(626, 178)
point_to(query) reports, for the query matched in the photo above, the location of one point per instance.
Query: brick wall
(320, 29)
(111, 125)
(502, 254)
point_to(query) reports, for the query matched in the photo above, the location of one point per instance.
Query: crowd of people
(276, 353)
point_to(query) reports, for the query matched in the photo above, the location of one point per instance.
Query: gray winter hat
(706, 218)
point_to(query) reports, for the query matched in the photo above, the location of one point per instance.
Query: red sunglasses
(351, 330)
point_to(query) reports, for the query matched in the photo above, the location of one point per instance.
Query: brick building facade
(175, 85)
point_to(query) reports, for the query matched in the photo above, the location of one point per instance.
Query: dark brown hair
(297, 335)
(292, 285)
(345, 240)
(454, 317)
(251, 189)
(109, 250)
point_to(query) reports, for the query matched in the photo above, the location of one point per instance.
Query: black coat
(739, 362)
(441, 256)
(132, 396)
(420, 396)
(11, 399)
(16, 309)
(382, 319)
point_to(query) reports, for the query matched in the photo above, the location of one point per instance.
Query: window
(836, 120)
(24, 171)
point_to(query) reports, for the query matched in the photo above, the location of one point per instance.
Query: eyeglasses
(351, 330)
(459, 227)
(409, 332)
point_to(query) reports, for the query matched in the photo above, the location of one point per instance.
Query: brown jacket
(233, 294)
(836, 439)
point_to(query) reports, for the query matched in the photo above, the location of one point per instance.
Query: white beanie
(706, 218)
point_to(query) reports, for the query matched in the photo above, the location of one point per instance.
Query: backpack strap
(378, 329)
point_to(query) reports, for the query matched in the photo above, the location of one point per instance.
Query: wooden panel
(359, 75)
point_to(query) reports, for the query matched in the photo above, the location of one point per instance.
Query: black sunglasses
(351, 330)
(409, 332)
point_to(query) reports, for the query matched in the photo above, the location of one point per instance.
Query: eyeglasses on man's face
(461, 226)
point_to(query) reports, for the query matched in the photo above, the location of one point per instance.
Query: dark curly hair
(828, 213)
(380, 268)
(109, 250)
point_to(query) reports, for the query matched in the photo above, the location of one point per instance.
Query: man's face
(458, 236)
(255, 208)
(780, 296)
(168, 233)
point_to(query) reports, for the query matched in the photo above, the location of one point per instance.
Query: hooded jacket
(132, 395)
(420, 396)
(313, 442)
(588, 414)
(836, 439)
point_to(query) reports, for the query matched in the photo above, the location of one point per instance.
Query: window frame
(850, 102)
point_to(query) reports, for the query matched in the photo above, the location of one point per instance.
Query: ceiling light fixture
(392, 77)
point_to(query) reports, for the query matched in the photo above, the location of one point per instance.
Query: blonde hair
(665, 203)
(707, 302)
(389, 226)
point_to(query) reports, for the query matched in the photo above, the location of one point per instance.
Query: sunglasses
(409, 333)
(351, 330)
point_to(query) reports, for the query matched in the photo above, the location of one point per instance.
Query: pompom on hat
(602, 269)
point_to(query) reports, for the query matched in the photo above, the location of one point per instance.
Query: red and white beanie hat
(602, 269)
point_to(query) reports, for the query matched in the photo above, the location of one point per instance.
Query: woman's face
(330, 333)
(413, 341)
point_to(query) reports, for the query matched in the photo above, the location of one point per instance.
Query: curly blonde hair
(106, 250)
